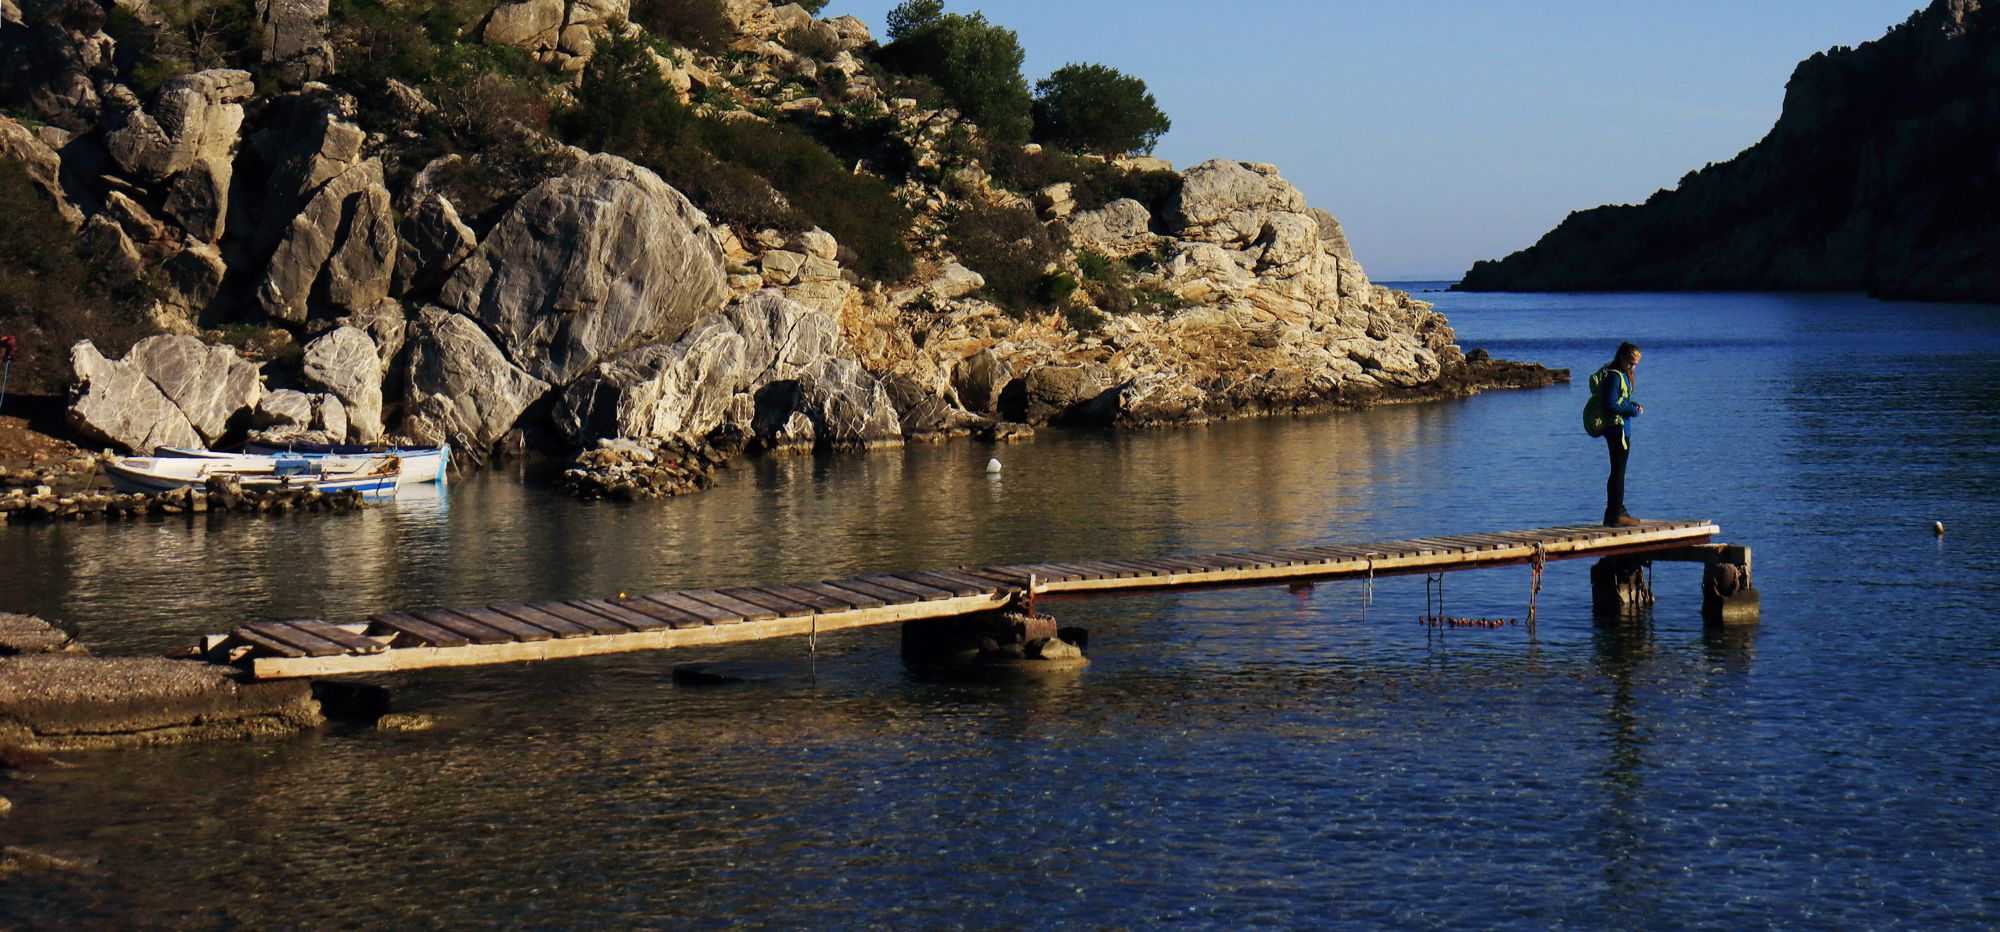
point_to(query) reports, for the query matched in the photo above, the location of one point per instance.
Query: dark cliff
(1882, 174)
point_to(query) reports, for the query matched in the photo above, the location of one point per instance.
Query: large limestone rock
(1231, 203)
(309, 143)
(535, 25)
(1332, 235)
(111, 402)
(345, 362)
(198, 199)
(294, 37)
(849, 408)
(340, 250)
(588, 265)
(55, 64)
(41, 163)
(195, 116)
(683, 391)
(460, 387)
(434, 241)
(978, 380)
(210, 384)
(284, 410)
(1119, 228)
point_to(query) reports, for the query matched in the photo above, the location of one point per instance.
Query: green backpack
(1596, 420)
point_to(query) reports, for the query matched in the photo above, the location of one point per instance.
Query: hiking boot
(1622, 521)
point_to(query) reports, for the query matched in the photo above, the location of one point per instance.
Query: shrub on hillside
(976, 63)
(1012, 250)
(1096, 108)
(746, 172)
(1094, 183)
(695, 24)
(50, 294)
(181, 36)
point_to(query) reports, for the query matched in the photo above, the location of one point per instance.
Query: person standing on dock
(1612, 385)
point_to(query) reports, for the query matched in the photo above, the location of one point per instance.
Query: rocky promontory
(1879, 176)
(657, 233)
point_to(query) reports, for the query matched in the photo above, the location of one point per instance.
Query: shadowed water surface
(1230, 757)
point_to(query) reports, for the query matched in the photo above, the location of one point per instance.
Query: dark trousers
(1614, 487)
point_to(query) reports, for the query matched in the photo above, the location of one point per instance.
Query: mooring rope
(1368, 593)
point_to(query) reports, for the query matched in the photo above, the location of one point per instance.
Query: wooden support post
(1727, 598)
(1618, 586)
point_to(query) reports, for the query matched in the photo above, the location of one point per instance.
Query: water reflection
(1228, 757)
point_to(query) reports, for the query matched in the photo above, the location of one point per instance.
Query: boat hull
(153, 475)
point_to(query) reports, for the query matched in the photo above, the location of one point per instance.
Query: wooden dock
(511, 632)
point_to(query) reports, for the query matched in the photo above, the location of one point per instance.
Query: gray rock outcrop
(41, 163)
(341, 249)
(683, 391)
(198, 199)
(115, 403)
(294, 38)
(211, 385)
(194, 116)
(1119, 228)
(849, 408)
(534, 25)
(346, 363)
(590, 264)
(460, 387)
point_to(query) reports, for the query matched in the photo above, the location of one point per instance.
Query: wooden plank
(253, 637)
(702, 610)
(563, 627)
(1139, 570)
(418, 629)
(927, 593)
(862, 587)
(1052, 572)
(599, 622)
(947, 583)
(1102, 570)
(554, 627)
(823, 599)
(786, 608)
(1278, 558)
(841, 595)
(472, 630)
(354, 643)
(312, 644)
(1005, 575)
(978, 584)
(748, 611)
(642, 615)
(517, 630)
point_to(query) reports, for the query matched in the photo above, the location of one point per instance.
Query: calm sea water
(1230, 758)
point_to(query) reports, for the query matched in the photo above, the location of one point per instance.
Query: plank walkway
(510, 632)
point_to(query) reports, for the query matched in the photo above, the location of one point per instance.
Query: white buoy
(1937, 527)
(993, 465)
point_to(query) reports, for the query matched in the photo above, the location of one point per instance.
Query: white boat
(419, 464)
(155, 474)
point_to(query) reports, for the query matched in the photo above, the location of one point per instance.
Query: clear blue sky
(1444, 131)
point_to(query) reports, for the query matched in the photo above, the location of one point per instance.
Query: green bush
(696, 24)
(977, 64)
(749, 173)
(1011, 249)
(1093, 183)
(1097, 108)
(51, 295)
(187, 35)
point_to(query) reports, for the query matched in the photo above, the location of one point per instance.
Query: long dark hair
(1622, 360)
